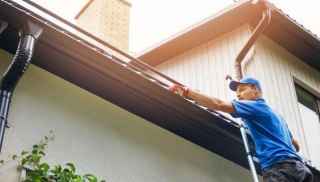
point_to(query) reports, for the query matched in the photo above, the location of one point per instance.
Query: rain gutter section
(21, 60)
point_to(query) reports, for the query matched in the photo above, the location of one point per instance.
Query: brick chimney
(107, 19)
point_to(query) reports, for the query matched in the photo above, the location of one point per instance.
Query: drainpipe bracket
(33, 29)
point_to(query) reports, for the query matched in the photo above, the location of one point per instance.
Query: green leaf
(42, 153)
(34, 151)
(44, 167)
(57, 169)
(90, 178)
(35, 158)
(24, 161)
(72, 167)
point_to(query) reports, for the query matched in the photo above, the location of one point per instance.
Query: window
(309, 106)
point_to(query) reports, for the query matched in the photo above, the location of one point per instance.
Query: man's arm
(204, 100)
(211, 102)
(296, 144)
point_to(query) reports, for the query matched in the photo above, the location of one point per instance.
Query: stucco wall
(102, 138)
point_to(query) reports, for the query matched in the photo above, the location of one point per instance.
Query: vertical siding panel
(224, 59)
(198, 66)
(201, 64)
(207, 70)
(287, 94)
(191, 71)
(271, 64)
(216, 66)
(207, 67)
(260, 68)
(203, 74)
(179, 69)
(277, 75)
(192, 55)
(231, 53)
(213, 71)
(176, 72)
(220, 65)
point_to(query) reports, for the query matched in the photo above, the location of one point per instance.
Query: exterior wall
(277, 69)
(109, 20)
(102, 138)
(204, 68)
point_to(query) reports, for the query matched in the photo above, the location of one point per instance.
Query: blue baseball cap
(233, 85)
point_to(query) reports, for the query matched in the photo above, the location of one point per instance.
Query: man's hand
(180, 90)
(296, 144)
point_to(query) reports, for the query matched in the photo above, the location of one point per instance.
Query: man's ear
(254, 88)
(258, 92)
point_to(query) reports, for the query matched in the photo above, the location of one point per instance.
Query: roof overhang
(282, 29)
(294, 37)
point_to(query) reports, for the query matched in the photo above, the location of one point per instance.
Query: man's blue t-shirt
(271, 136)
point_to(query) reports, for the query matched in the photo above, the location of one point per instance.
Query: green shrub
(39, 171)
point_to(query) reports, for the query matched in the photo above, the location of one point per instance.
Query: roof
(283, 29)
(99, 66)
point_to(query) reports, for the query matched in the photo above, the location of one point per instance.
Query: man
(275, 147)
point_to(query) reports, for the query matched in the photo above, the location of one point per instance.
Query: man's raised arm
(204, 100)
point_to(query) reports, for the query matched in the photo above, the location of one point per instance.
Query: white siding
(102, 138)
(277, 69)
(205, 67)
